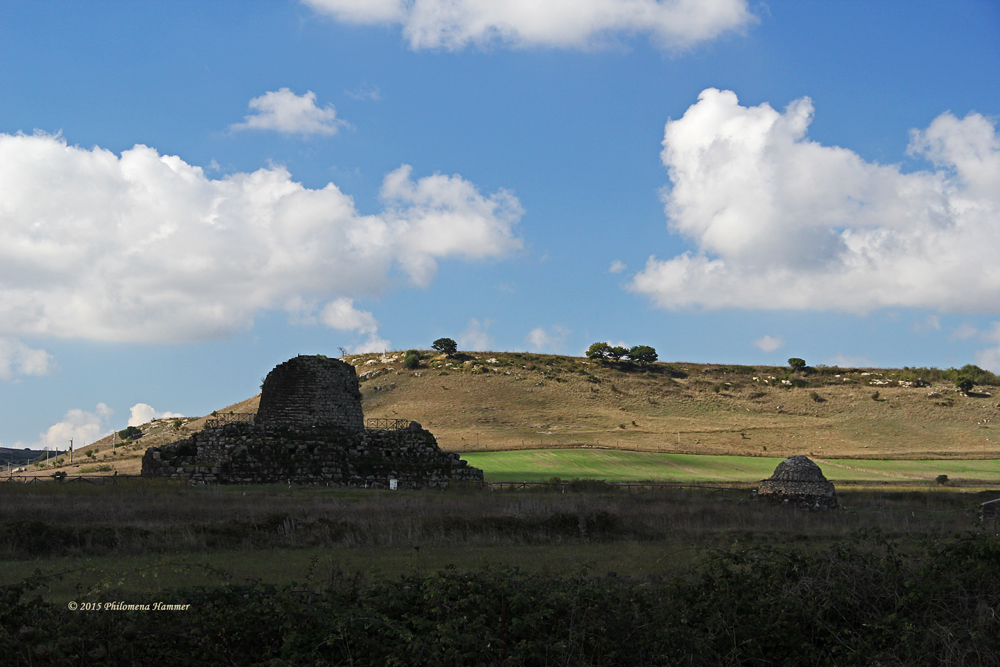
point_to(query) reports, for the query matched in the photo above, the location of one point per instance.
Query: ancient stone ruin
(798, 481)
(309, 429)
(310, 392)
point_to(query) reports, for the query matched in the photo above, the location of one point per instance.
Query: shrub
(590, 485)
(796, 363)
(131, 433)
(411, 360)
(941, 479)
(964, 384)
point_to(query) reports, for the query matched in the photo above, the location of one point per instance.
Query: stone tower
(800, 481)
(312, 392)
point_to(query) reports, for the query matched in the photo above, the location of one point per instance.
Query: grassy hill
(493, 401)
(506, 400)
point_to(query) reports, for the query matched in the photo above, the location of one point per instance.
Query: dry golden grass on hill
(528, 400)
(488, 401)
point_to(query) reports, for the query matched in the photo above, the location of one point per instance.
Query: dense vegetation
(863, 602)
(897, 578)
(975, 374)
(137, 518)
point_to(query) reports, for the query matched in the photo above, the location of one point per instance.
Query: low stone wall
(265, 454)
(808, 495)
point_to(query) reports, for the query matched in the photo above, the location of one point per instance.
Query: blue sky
(191, 193)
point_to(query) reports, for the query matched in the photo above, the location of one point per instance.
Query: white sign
(392, 484)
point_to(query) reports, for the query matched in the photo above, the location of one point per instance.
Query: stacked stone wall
(312, 392)
(809, 495)
(248, 454)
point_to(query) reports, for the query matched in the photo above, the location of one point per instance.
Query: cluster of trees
(640, 354)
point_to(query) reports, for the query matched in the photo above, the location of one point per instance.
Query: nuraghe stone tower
(309, 429)
(311, 392)
(799, 481)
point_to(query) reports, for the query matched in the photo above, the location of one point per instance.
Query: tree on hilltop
(598, 351)
(797, 364)
(642, 355)
(616, 353)
(446, 345)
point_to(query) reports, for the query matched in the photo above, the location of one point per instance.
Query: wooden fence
(96, 480)
(632, 487)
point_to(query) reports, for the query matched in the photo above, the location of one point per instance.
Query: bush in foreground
(859, 603)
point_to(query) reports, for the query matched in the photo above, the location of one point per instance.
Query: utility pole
(71, 450)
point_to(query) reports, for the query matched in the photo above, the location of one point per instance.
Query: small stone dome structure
(312, 392)
(799, 481)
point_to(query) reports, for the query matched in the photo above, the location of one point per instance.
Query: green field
(622, 466)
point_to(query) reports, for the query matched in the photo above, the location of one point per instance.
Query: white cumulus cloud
(145, 247)
(445, 215)
(455, 24)
(547, 340)
(769, 343)
(81, 426)
(341, 314)
(285, 112)
(143, 412)
(617, 266)
(475, 336)
(371, 344)
(16, 358)
(989, 357)
(780, 221)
